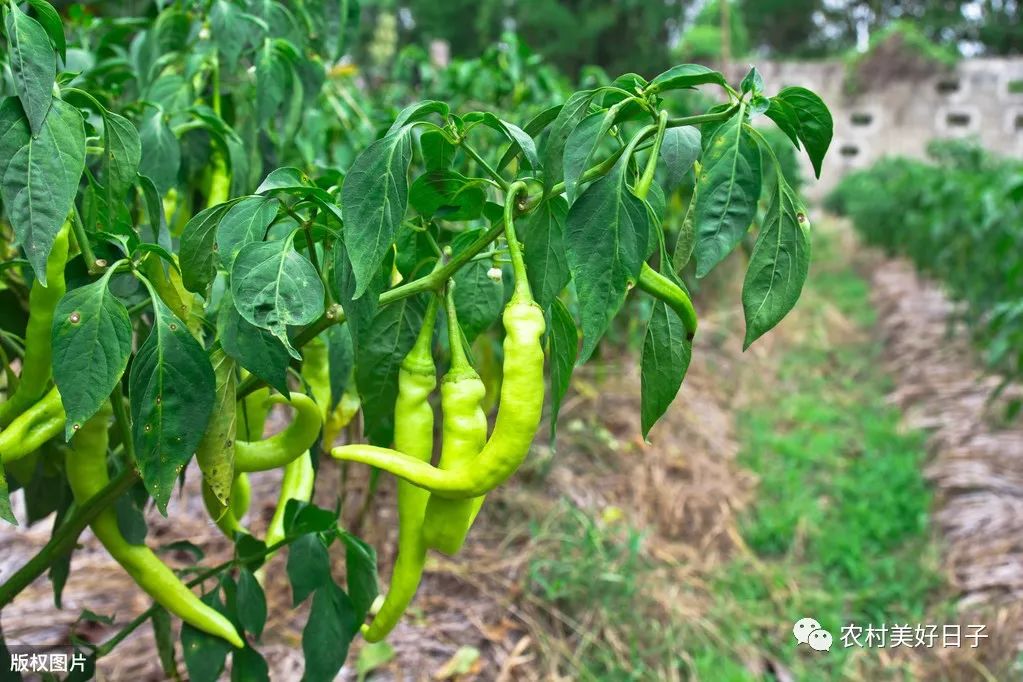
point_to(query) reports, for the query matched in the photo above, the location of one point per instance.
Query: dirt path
(976, 462)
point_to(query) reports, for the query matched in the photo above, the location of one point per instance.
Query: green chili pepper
(297, 484)
(36, 367)
(286, 446)
(33, 427)
(520, 407)
(465, 433)
(413, 436)
(86, 468)
(316, 373)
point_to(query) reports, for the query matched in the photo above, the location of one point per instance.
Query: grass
(839, 529)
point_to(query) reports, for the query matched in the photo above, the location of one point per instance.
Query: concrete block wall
(979, 98)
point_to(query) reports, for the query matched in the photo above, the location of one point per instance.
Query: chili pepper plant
(192, 232)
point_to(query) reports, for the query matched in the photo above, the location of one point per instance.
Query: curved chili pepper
(413, 435)
(36, 367)
(87, 473)
(447, 522)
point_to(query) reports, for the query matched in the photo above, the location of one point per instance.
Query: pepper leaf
(564, 348)
(546, 264)
(726, 193)
(374, 198)
(816, 127)
(215, 454)
(173, 390)
(91, 344)
(245, 222)
(667, 351)
(778, 265)
(161, 152)
(41, 181)
(331, 627)
(123, 153)
(274, 286)
(33, 65)
(606, 237)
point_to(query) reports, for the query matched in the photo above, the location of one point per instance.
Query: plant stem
(514, 248)
(486, 166)
(78, 227)
(65, 537)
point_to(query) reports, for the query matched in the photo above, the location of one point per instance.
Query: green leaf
(679, 150)
(275, 286)
(378, 358)
(5, 501)
(198, 254)
(204, 654)
(255, 349)
(606, 236)
(172, 389)
(417, 111)
(91, 345)
(215, 454)
(778, 265)
(727, 193)
(437, 152)
(686, 241)
(579, 149)
(564, 349)
(164, 636)
(122, 153)
(546, 263)
(249, 666)
(251, 603)
(374, 198)
(478, 298)
(308, 566)
(245, 222)
(272, 74)
(131, 520)
(47, 16)
(666, 355)
(752, 82)
(447, 195)
(569, 116)
(229, 30)
(373, 655)
(816, 126)
(161, 152)
(341, 354)
(517, 136)
(329, 632)
(303, 517)
(361, 570)
(358, 312)
(784, 116)
(33, 65)
(249, 551)
(286, 178)
(685, 76)
(14, 131)
(41, 181)
(534, 127)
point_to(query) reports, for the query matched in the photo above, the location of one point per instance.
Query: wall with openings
(979, 98)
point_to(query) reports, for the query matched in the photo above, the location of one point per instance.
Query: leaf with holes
(172, 389)
(91, 344)
(275, 286)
